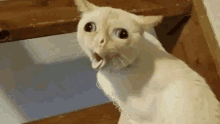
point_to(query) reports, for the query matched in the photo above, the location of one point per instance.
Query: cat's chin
(111, 67)
(98, 64)
(111, 62)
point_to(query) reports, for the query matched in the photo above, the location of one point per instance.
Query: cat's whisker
(134, 46)
(74, 45)
(114, 62)
(79, 53)
(122, 62)
(75, 42)
(125, 57)
(117, 65)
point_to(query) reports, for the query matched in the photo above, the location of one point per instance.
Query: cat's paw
(124, 120)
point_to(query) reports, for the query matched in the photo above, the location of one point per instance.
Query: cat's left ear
(85, 6)
(149, 21)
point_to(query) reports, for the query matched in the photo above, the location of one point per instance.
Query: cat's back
(187, 98)
(190, 102)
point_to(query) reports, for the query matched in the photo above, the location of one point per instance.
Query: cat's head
(111, 37)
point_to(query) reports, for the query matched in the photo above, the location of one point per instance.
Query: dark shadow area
(170, 29)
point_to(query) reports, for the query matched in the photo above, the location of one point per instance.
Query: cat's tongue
(97, 64)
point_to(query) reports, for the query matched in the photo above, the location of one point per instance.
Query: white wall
(213, 10)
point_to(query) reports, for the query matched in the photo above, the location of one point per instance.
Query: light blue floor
(43, 88)
(57, 88)
(48, 76)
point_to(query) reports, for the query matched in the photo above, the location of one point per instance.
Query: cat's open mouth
(98, 62)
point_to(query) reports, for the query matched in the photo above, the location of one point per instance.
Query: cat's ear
(149, 21)
(84, 6)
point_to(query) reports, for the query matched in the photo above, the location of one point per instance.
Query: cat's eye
(121, 33)
(90, 27)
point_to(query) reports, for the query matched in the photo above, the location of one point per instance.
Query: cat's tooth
(96, 64)
(102, 64)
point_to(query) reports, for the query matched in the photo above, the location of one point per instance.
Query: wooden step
(100, 114)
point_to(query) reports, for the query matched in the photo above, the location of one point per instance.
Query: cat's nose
(102, 41)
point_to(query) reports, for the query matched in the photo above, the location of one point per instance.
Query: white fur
(157, 88)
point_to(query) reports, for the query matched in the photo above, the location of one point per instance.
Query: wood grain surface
(101, 114)
(208, 31)
(24, 19)
(193, 47)
(180, 33)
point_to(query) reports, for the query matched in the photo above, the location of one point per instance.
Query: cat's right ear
(85, 6)
(148, 21)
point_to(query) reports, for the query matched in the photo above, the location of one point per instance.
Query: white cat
(149, 85)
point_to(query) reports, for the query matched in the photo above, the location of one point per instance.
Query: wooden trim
(203, 20)
(101, 114)
(193, 49)
(24, 19)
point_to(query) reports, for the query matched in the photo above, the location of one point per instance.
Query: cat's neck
(143, 73)
(132, 80)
